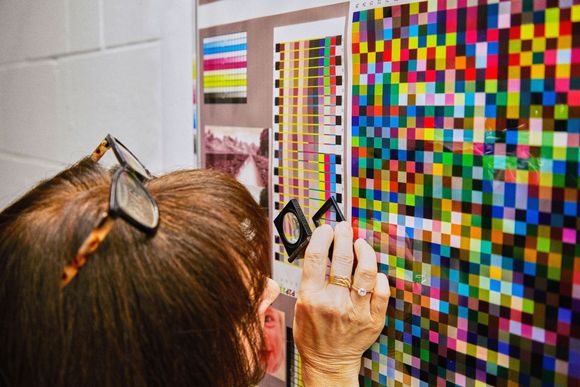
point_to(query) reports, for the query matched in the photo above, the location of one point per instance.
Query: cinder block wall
(73, 70)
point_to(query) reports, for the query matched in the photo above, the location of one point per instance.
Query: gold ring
(361, 291)
(340, 280)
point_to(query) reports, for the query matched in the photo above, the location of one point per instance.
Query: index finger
(316, 258)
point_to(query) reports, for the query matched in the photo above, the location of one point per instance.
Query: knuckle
(342, 257)
(330, 312)
(367, 274)
(316, 255)
(363, 319)
(383, 297)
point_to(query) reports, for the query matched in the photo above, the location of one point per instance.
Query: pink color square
(400, 283)
(417, 288)
(451, 343)
(471, 35)
(516, 7)
(434, 293)
(569, 235)
(576, 55)
(450, 99)
(562, 84)
(504, 324)
(433, 337)
(514, 85)
(523, 151)
(460, 379)
(526, 330)
(550, 57)
(551, 337)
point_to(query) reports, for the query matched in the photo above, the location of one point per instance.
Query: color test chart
(465, 161)
(225, 68)
(308, 124)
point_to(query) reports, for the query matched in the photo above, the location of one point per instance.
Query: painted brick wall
(73, 70)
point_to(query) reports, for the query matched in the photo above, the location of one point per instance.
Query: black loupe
(293, 227)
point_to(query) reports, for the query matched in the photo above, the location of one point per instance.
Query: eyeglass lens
(134, 201)
(133, 163)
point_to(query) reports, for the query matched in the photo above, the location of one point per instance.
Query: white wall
(73, 70)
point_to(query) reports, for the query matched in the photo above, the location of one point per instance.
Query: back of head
(175, 308)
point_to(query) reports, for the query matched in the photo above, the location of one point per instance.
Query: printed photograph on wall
(274, 352)
(241, 152)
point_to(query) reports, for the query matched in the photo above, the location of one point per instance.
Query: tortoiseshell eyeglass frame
(115, 210)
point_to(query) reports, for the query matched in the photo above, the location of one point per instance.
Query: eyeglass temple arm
(90, 244)
(103, 147)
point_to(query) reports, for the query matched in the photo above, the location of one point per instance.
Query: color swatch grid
(293, 362)
(465, 165)
(225, 68)
(308, 131)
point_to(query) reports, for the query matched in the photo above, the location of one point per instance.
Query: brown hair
(178, 308)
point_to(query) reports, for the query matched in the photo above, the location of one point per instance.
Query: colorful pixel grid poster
(465, 163)
(225, 68)
(308, 146)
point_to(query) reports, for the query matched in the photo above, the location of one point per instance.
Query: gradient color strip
(225, 68)
(308, 132)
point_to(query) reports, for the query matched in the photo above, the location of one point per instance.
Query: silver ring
(361, 291)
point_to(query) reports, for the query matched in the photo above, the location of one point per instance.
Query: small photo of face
(274, 351)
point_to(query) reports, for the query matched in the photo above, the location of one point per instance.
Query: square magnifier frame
(330, 202)
(293, 249)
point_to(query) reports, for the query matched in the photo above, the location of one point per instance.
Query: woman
(176, 294)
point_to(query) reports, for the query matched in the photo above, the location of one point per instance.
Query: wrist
(343, 375)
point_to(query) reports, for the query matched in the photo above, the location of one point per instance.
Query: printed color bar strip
(225, 68)
(308, 146)
(465, 165)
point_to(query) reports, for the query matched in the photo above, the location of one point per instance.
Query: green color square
(447, 159)
(363, 16)
(528, 306)
(425, 355)
(559, 181)
(554, 273)
(543, 244)
(501, 98)
(561, 112)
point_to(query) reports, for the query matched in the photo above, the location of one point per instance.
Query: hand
(334, 325)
